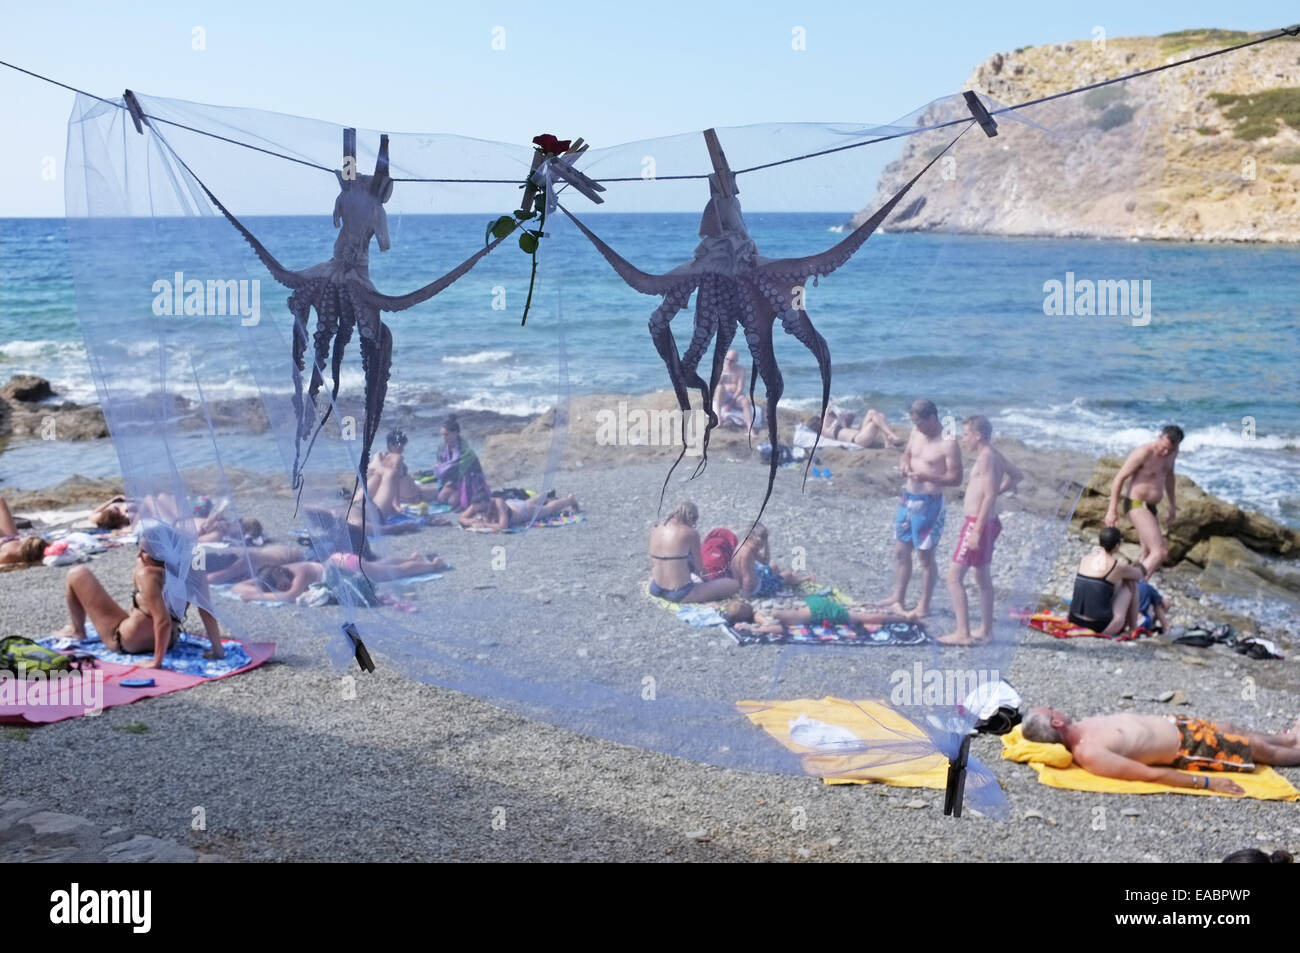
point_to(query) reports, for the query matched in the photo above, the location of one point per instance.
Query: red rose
(552, 146)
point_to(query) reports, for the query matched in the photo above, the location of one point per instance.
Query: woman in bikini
(730, 402)
(494, 512)
(675, 554)
(874, 431)
(15, 548)
(1105, 588)
(148, 625)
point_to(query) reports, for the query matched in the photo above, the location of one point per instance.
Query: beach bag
(21, 655)
(716, 551)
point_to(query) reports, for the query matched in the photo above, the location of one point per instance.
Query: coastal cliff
(1204, 152)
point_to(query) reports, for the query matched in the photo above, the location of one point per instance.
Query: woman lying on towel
(816, 610)
(150, 625)
(17, 549)
(675, 554)
(286, 583)
(492, 511)
(874, 431)
(117, 513)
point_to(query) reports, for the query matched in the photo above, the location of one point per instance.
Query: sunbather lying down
(874, 430)
(496, 512)
(287, 582)
(1150, 747)
(15, 548)
(818, 609)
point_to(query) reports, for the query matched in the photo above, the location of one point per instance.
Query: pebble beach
(305, 760)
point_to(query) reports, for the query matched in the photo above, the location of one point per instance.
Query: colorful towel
(112, 672)
(1056, 769)
(1062, 628)
(893, 633)
(847, 742)
(564, 519)
(419, 510)
(805, 438)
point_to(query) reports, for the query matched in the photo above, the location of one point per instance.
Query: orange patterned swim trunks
(1204, 746)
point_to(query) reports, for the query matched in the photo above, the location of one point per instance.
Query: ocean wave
(478, 357)
(40, 348)
(513, 404)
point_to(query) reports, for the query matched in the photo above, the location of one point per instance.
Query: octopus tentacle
(662, 335)
(377, 364)
(757, 323)
(726, 334)
(300, 308)
(797, 323)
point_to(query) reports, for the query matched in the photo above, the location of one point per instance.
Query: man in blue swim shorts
(930, 462)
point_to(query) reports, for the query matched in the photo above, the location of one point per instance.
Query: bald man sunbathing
(1138, 747)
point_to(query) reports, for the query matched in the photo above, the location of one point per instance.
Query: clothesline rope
(1293, 31)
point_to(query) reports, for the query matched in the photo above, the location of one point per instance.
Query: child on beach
(816, 608)
(759, 577)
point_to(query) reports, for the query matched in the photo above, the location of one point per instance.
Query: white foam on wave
(478, 357)
(505, 403)
(40, 348)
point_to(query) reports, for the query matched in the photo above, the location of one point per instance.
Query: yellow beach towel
(879, 744)
(1056, 768)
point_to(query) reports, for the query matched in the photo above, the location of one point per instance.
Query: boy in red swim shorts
(992, 475)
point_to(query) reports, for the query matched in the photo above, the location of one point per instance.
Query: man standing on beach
(930, 462)
(992, 475)
(1151, 468)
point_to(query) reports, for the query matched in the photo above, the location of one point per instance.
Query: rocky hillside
(1204, 152)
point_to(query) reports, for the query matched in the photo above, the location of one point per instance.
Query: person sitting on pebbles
(752, 566)
(816, 609)
(675, 555)
(151, 625)
(1163, 748)
(1105, 597)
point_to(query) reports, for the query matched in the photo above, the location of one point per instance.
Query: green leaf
(503, 226)
(528, 242)
(539, 202)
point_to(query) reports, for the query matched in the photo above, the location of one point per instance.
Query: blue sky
(618, 71)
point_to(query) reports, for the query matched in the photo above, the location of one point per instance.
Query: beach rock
(27, 388)
(1230, 567)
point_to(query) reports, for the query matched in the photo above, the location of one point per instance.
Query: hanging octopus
(734, 285)
(346, 300)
